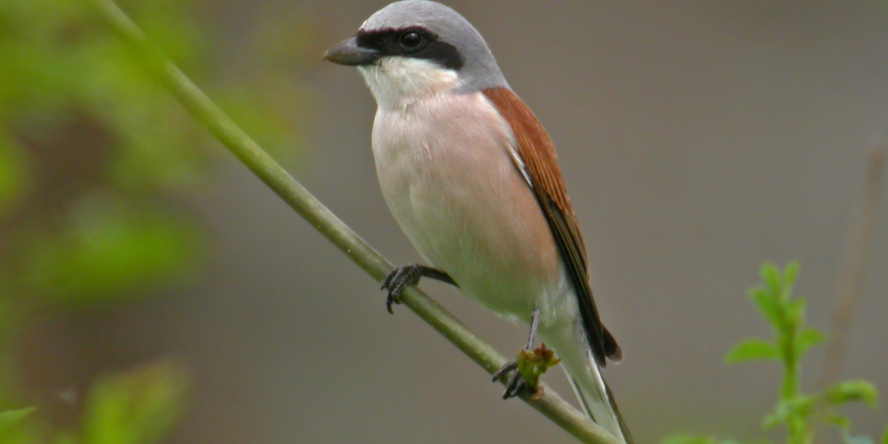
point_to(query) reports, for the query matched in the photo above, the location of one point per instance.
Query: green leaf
(689, 439)
(840, 421)
(766, 305)
(111, 246)
(795, 312)
(847, 391)
(771, 276)
(10, 418)
(137, 407)
(791, 272)
(66, 437)
(885, 436)
(694, 439)
(13, 174)
(533, 363)
(786, 410)
(809, 338)
(752, 350)
(859, 439)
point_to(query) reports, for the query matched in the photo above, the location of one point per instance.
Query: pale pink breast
(447, 176)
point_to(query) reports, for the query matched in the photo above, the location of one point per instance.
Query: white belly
(449, 181)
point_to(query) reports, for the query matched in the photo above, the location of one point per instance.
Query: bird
(471, 177)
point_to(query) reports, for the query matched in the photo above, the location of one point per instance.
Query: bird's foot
(527, 369)
(515, 383)
(397, 280)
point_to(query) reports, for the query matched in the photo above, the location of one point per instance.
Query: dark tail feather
(598, 401)
(623, 428)
(611, 349)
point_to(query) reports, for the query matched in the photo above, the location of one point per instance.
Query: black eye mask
(415, 42)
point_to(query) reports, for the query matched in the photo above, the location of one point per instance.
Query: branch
(852, 265)
(313, 211)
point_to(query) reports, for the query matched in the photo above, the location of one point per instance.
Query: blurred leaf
(66, 438)
(859, 439)
(751, 350)
(799, 406)
(13, 177)
(137, 407)
(790, 273)
(111, 246)
(885, 436)
(120, 226)
(169, 25)
(771, 275)
(689, 439)
(11, 418)
(809, 338)
(767, 305)
(795, 312)
(272, 132)
(840, 421)
(848, 391)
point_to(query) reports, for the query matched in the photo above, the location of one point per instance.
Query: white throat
(397, 82)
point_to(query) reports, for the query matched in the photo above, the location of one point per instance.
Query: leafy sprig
(533, 363)
(799, 412)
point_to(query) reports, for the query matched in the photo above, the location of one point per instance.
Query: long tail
(595, 396)
(570, 344)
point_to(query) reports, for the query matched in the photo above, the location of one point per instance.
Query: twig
(852, 266)
(312, 210)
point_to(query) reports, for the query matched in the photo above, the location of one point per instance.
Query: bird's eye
(411, 40)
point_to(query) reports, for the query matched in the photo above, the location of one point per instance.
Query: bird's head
(414, 49)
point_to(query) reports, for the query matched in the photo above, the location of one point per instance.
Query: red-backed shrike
(471, 176)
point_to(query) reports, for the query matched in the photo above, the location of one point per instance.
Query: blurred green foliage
(139, 406)
(94, 153)
(97, 162)
(799, 412)
(10, 420)
(691, 439)
(109, 244)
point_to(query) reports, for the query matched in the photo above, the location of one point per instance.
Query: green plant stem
(313, 211)
(787, 339)
(800, 431)
(790, 386)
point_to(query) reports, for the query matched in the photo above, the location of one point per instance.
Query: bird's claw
(397, 280)
(516, 383)
(506, 368)
(527, 370)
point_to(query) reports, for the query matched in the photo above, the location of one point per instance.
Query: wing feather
(538, 164)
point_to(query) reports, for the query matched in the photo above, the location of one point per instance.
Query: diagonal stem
(312, 210)
(852, 265)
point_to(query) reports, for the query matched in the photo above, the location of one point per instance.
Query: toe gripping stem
(401, 277)
(516, 382)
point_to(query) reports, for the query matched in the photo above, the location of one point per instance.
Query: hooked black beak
(350, 54)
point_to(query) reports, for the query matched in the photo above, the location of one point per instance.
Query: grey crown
(480, 70)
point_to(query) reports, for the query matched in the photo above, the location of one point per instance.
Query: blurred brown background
(697, 140)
